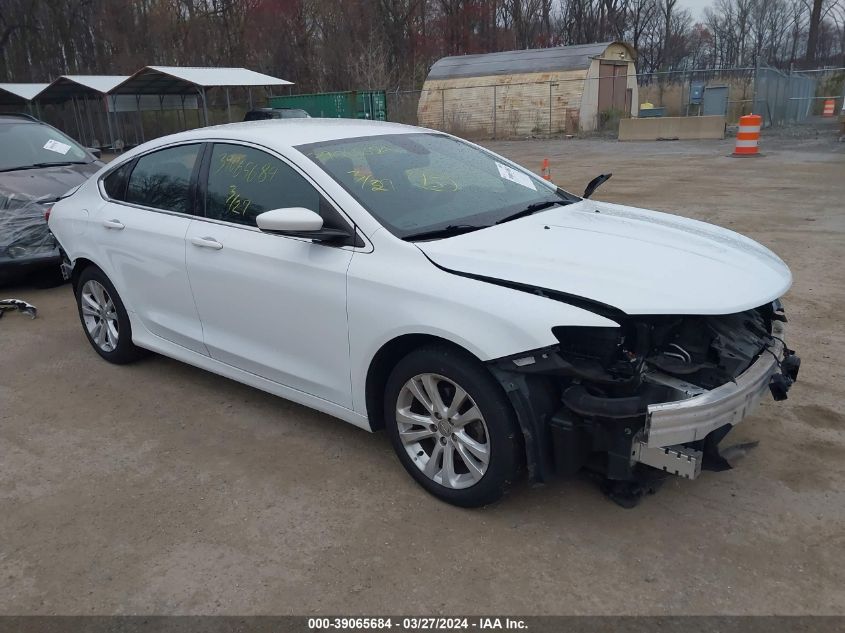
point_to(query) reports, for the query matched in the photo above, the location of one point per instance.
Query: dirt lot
(159, 488)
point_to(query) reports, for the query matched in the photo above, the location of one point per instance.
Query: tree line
(356, 44)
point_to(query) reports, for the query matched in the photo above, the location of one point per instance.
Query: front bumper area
(668, 427)
(671, 425)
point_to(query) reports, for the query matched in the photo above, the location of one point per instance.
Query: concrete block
(675, 127)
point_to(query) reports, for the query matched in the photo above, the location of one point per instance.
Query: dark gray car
(38, 164)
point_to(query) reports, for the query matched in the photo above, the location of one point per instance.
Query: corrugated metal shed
(19, 94)
(514, 62)
(162, 80)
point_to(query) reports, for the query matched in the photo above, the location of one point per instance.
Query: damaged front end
(654, 396)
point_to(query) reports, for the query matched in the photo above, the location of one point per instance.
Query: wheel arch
(80, 264)
(531, 398)
(385, 360)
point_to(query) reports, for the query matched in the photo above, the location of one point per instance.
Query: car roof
(286, 133)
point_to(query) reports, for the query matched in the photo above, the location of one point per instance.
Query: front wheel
(452, 426)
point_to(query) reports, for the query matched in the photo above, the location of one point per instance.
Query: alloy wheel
(99, 315)
(443, 431)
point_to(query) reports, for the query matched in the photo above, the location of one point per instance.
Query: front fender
(488, 320)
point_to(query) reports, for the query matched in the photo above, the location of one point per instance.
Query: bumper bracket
(675, 460)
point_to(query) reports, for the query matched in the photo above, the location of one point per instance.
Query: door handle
(113, 224)
(206, 242)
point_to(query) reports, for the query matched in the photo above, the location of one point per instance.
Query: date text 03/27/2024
(416, 623)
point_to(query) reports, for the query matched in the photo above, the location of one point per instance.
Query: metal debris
(9, 305)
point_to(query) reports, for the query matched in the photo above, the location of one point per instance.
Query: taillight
(47, 214)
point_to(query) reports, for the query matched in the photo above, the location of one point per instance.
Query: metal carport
(84, 88)
(12, 94)
(179, 80)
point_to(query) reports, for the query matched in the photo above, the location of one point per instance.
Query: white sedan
(401, 278)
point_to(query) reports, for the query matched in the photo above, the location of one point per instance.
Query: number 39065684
(236, 166)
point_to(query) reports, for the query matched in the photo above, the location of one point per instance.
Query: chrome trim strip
(671, 423)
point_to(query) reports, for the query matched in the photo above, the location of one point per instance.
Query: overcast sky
(696, 7)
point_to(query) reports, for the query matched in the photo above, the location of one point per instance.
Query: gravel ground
(158, 488)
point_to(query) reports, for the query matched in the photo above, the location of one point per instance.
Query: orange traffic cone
(544, 169)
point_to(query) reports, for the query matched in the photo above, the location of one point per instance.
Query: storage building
(537, 91)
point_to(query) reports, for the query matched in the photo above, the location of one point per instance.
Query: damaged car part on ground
(658, 393)
(404, 279)
(11, 305)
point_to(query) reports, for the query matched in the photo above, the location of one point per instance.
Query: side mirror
(296, 219)
(95, 151)
(298, 222)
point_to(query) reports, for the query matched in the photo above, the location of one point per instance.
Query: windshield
(417, 184)
(28, 143)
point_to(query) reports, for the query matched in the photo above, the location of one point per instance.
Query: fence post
(550, 108)
(443, 109)
(494, 112)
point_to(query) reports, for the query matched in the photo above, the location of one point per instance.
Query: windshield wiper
(447, 231)
(62, 163)
(532, 208)
(42, 165)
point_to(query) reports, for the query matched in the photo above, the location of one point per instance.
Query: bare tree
(331, 45)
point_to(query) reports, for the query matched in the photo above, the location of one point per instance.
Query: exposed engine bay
(608, 384)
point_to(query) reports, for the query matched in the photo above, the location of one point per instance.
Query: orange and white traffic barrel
(829, 105)
(748, 136)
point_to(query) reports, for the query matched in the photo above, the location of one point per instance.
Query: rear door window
(162, 179)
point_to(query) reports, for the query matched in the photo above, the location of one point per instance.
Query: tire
(97, 302)
(465, 453)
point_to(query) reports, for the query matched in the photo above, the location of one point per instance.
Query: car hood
(32, 184)
(635, 260)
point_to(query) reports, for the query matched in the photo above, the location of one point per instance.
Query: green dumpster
(352, 104)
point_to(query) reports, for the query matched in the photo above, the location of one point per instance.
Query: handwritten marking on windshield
(366, 180)
(437, 182)
(355, 153)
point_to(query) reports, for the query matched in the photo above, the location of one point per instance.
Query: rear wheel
(104, 318)
(452, 426)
